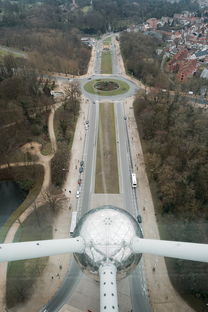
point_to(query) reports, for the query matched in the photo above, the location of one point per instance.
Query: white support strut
(180, 250)
(42, 248)
(108, 288)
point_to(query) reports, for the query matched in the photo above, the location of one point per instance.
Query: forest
(92, 19)
(25, 101)
(49, 50)
(174, 137)
(141, 59)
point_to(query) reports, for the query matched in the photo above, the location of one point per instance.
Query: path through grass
(21, 275)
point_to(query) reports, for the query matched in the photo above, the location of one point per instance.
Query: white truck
(133, 180)
(73, 222)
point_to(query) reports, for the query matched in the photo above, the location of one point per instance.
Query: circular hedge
(106, 87)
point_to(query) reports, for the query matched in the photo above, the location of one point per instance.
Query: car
(77, 194)
(125, 117)
(79, 181)
(81, 169)
(139, 219)
(86, 127)
(87, 122)
(89, 78)
(82, 163)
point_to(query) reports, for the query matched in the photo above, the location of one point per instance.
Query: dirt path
(163, 297)
(45, 286)
(44, 289)
(33, 148)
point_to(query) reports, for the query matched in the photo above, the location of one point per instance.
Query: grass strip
(107, 41)
(106, 180)
(106, 63)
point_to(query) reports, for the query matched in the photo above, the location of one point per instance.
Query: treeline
(49, 50)
(116, 14)
(175, 137)
(65, 123)
(24, 104)
(141, 59)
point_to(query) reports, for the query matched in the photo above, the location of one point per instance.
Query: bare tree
(53, 200)
(72, 98)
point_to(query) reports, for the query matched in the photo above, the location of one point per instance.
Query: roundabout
(106, 87)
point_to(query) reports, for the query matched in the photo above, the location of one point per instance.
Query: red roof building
(186, 69)
(183, 67)
(173, 64)
(152, 23)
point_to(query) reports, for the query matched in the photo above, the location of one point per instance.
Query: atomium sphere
(107, 232)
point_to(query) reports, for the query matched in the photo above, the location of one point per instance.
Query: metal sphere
(107, 232)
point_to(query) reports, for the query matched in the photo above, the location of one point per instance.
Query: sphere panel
(107, 232)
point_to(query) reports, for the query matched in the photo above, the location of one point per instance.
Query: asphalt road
(138, 287)
(62, 295)
(137, 282)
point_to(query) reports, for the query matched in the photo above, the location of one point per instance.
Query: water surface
(11, 196)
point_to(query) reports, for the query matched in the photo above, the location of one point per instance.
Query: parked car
(77, 194)
(87, 122)
(82, 163)
(139, 219)
(79, 181)
(81, 169)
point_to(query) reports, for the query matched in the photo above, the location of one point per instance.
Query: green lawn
(3, 53)
(107, 40)
(106, 180)
(86, 9)
(47, 149)
(106, 63)
(21, 275)
(123, 87)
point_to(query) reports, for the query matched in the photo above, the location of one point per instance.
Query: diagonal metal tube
(42, 248)
(173, 249)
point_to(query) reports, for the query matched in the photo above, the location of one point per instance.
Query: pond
(11, 196)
